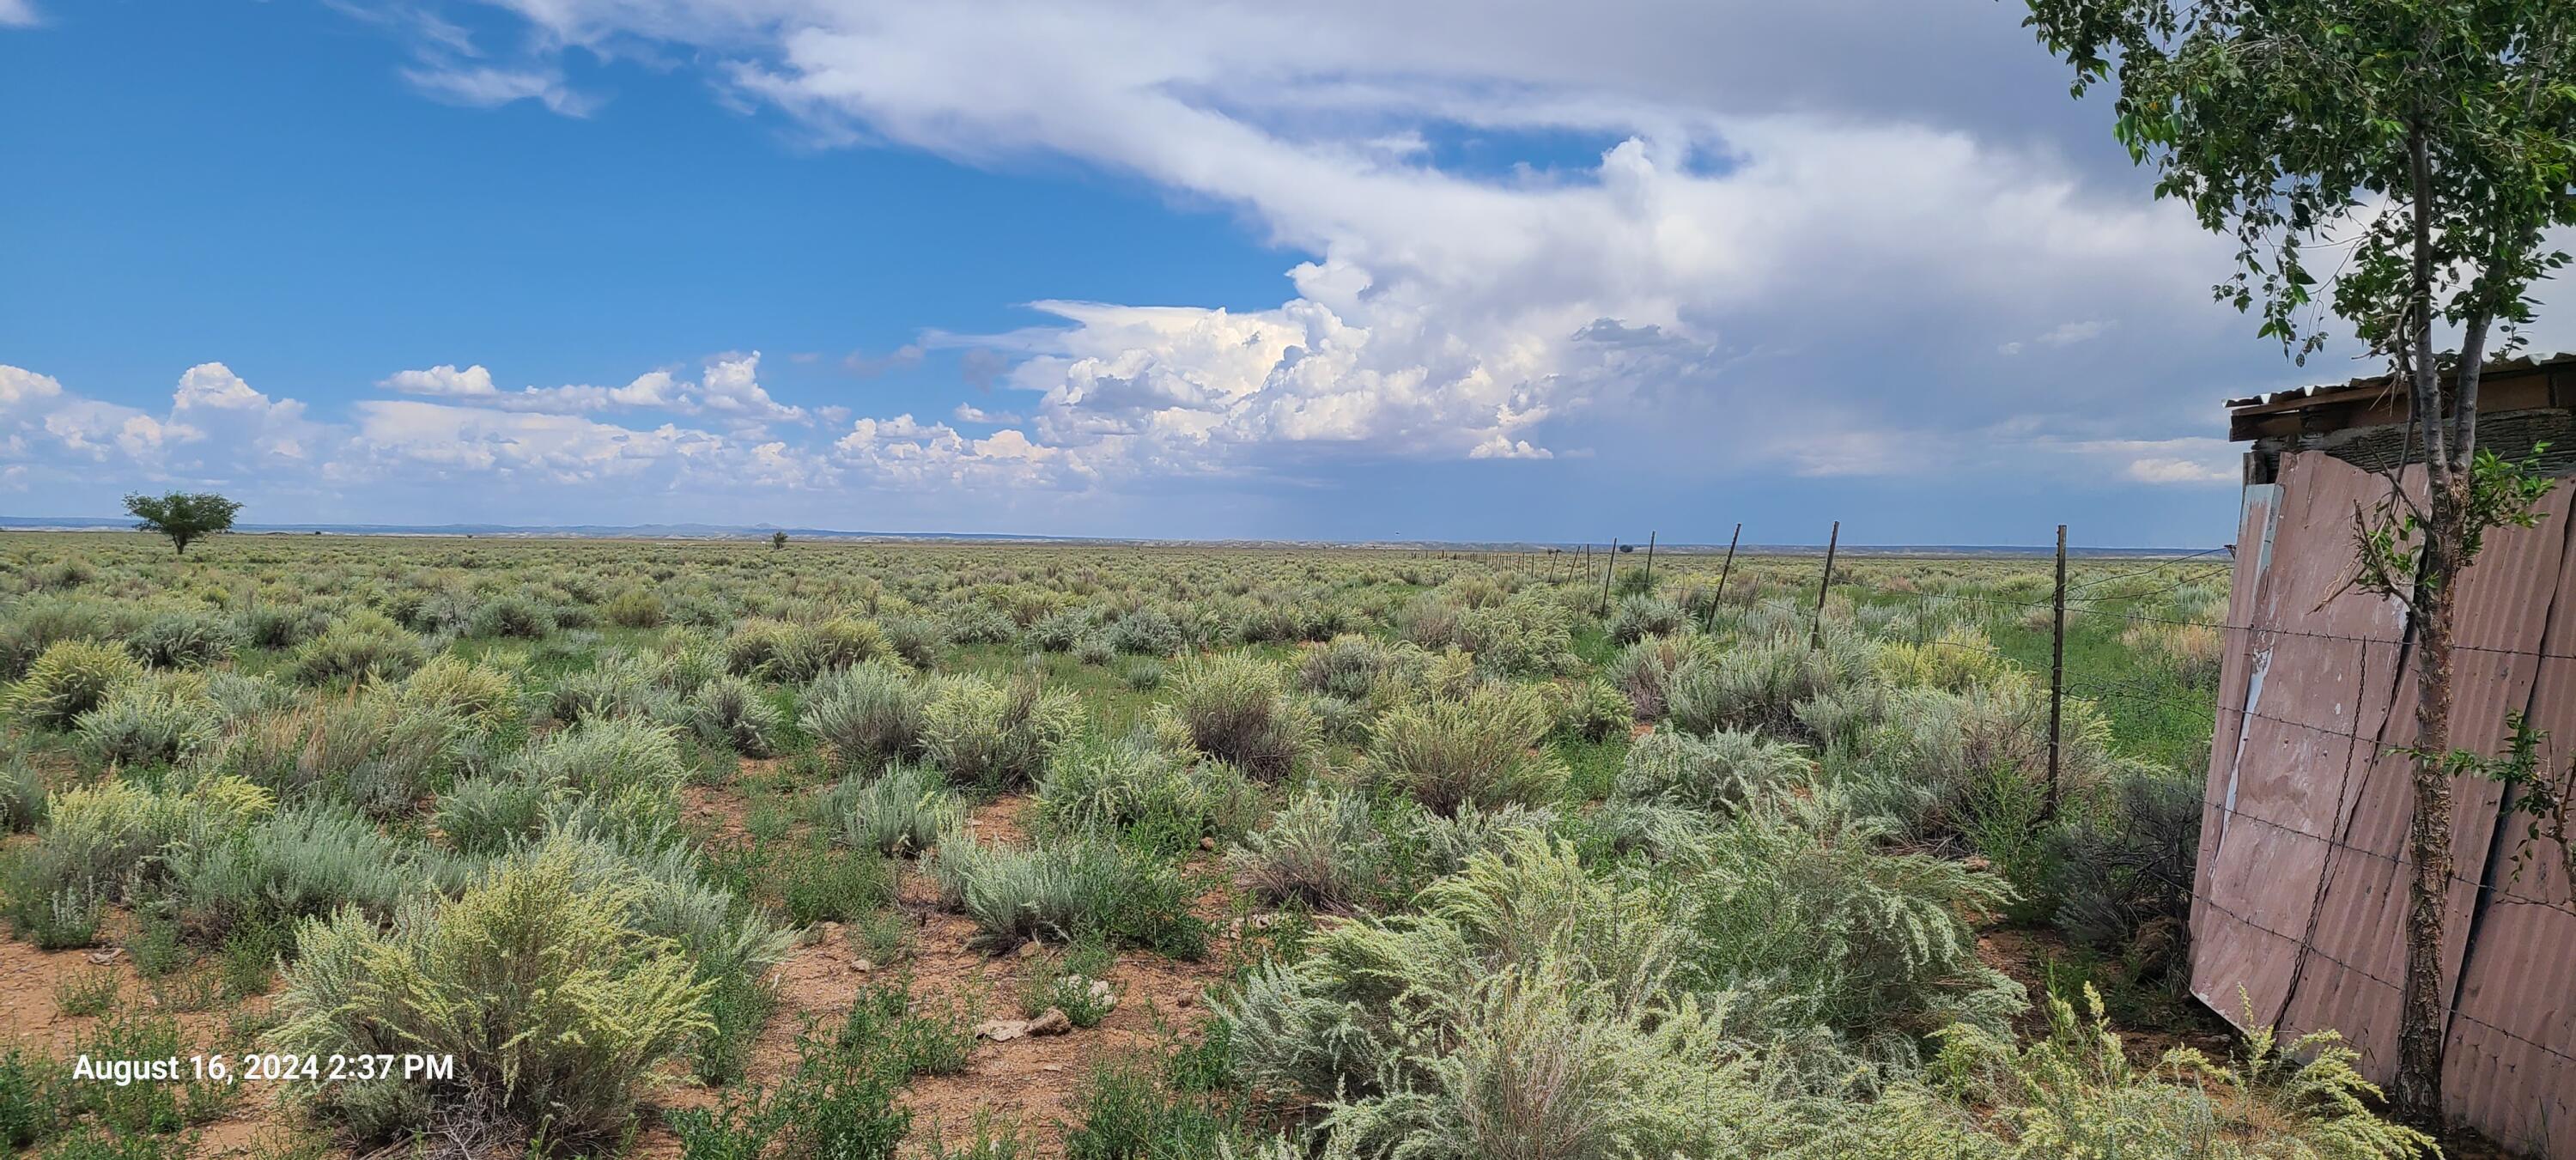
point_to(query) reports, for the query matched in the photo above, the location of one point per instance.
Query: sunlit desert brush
(1482, 856)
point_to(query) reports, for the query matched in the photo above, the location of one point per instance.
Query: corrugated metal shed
(2302, 875)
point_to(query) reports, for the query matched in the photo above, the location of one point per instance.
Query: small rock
(1002, 1030)
(1052, 1021)
(861, 966)
(1030, 949)
(1104, 994)
(1207, 843)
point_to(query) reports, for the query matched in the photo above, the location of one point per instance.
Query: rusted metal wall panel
(2309, 702)
(2511, 1068)
(2349, 976)
(2238, 683)
(2308, 917)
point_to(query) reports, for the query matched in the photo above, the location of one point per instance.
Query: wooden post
(1722, 572)
(1608, 570)
(1650, 560)
(1816, 627)
(2056, 673)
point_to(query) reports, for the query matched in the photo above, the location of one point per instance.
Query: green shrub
(1476, 751)
(1597, 711)
(905, 1035)
(635, 608)
(1147, 632)
(67, 680)
(977, 624)
(869, 714)
(1527, 1011)
(2077, 1093)
(1757, 687)
(361, 646)
(1528, 635)
(1061, 631)
(915, 639)
(29, 1097)
(603, 759)
(618, 685)
(1718, 773)
(517, 615)
(732, 713)
(984, 734)
(368, 750)
(22, 794)
(265, 625)
(1079, 890)
(555, 1006)
(1321, 849)
(300, 862)
(1125, 1110)
(805, 652)
(1358, 669)
(488, 815)
(183, 640)
(1797, 903)
(483, 697)
(138, 1110)
(88, 996)
(1644, 670)
(840, 1100)
(155, 720)
(1137, 788)
(1960, 658)
(737, 1005)
(905, 810)
(99, 838)
(1932, 753)
(1233, 708)
(755, 646)
(33, 624)
(835, 886)
(1641, 615)
(1439, 845)
(2125, 867)
(1143, 676)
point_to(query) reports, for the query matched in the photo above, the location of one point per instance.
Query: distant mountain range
(763, 531)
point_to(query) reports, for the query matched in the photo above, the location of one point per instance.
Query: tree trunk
(2421, 1025)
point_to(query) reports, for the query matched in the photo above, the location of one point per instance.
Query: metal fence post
(1816, 628)
(2056, 672)
(1609, 568)
(1722, 571)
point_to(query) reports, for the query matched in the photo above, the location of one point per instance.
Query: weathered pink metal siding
(2302, 880)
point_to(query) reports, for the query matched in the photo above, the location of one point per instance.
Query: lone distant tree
(2429, 147)
(183, 516)
(777, 540)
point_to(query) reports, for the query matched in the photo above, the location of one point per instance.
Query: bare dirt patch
(1029, 1082)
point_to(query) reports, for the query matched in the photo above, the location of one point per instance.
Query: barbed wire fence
(2125, 598)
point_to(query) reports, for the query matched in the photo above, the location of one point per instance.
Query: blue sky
(1348, 271)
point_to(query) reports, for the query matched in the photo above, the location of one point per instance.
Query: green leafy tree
(183, 516)
(2424, 147)
(777, 540)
